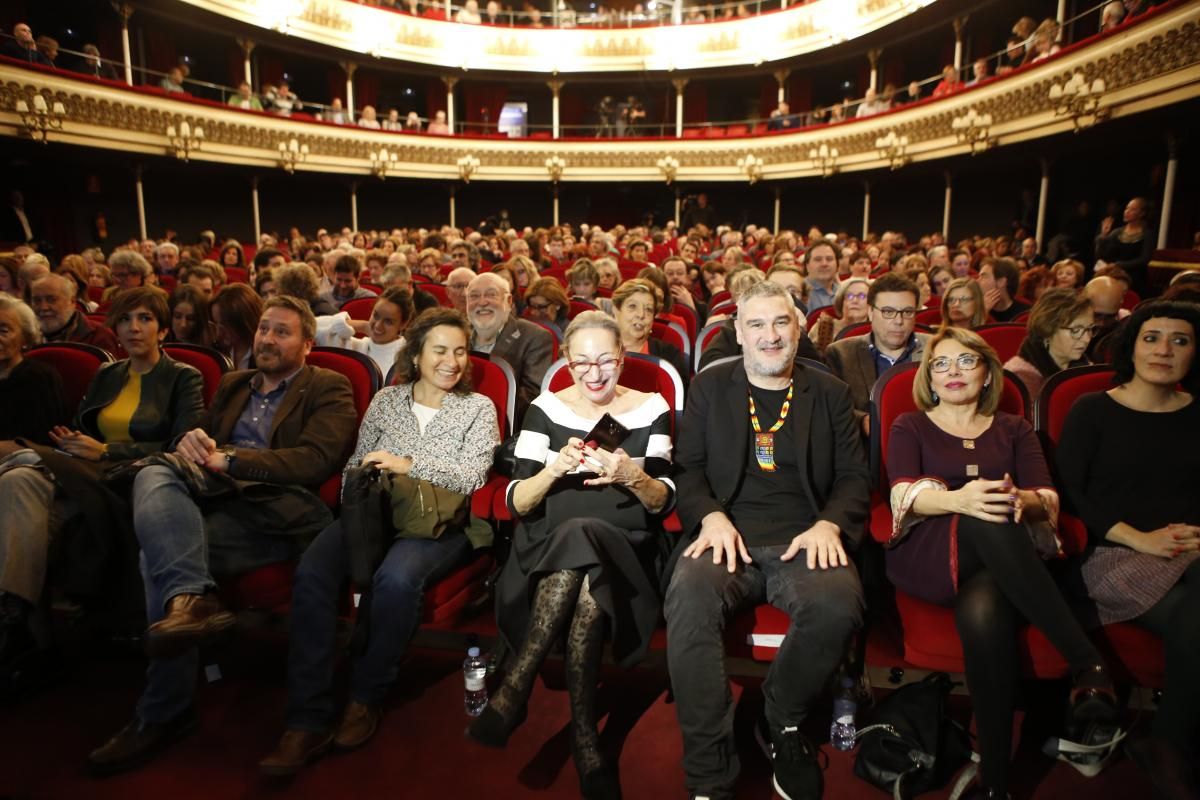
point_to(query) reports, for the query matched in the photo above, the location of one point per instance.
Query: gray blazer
(851, 360)
(530, 350)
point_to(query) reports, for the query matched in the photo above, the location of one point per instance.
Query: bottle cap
(473, 652)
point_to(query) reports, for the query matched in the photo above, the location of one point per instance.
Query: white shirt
(424, 415)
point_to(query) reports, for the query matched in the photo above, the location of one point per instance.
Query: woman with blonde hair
(962, 305)
(850, 307)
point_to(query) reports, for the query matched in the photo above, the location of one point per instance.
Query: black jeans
(825, 607)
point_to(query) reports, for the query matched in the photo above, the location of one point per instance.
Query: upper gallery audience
(285, 428)
(589, 522)
(1060, 328)
(1129, 246)
(973, 517)
(427, 434)
(23, 46)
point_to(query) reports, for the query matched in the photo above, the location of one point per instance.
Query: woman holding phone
(588, 545)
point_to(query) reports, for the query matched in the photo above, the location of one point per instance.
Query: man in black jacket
(773, 481)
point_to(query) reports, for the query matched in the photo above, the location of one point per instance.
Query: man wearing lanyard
(773, 487)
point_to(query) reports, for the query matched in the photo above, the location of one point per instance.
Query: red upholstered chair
(714, 132)
(1130, 300)
(759, 129)
(1004, 337)
(690, 320)
(717, 299)
(930, 316)
(857, 329)
(727, 307)
(360, 309)
(77, 364)
(553, 331)
(237, 275)
(167, 283)
(212, 365)
(693, 133)
(370, 287)
(737, 130)
(642, 372)
(578, 307)
(1021, 318)
(673, 333)
(934, 301)
(438, 291)
(707, 334)
(95, 293)
(816, 314)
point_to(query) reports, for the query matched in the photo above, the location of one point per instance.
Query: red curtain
(435, 97)
(695, 103)
(573, 108)
(799, 92)
(768, 96)
(161, 52)
(235, 64)
(483, 102)
(270, 70)
(366, 91)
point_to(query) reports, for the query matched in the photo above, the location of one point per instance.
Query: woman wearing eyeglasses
(963, 305)
(974, 513)
(588, 544)
(637, 304)
(850, 308)
(1060, 328)
(546, 302)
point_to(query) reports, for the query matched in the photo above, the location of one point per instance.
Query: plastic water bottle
(475, 697)
(842, 731)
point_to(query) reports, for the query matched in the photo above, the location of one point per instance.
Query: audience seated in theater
(610, 273)
(33, 269)
(392, 121)
(788, 274)
(190, 320)
(469, 13)
(429, 264)
(759, 486)
(821, 263)
(298, 280)
(429, 434)
(205, 277)
(1128, 459)
(336, 113)
(726, 342)
(679, 282)
(1045, 40)
(979, 72)
(91, 64)
(131, 409)
(497, 330)
(345, 283)
(438, 124)
(412, 122)
(939, 279)
(383, 331)
(850, 308)
(963, 306)
(1034, 281)
(589, 548)
(974, 513)
(369, 119)
(636, 305)
(860, 360)
(235, 313)
(129, 270)
(1127, 247)
(949, 82)
(53, 300)
(960, 263)
(546, 302)
(74, 267)
(1013, 55)
(31, 391)
(9, 281)
(1068, 274)
(272, 436)
(456, 287)
(999, 278)
(1060, 328)
(281, 100)
(173, 81)
(245, 98)
(872, 104)
(23, 46)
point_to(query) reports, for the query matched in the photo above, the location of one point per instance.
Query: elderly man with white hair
(528, 348)
(53, 300)
(166, 257)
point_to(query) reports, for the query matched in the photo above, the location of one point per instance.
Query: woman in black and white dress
(588, 546)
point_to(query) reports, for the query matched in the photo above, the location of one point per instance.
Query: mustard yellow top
(114, 418)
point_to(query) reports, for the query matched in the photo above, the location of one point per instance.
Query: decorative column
(1043, 196)
(1164, 222)
(354, 205)
(677, 12)
(960, 23)
(946, 209)
(450, 82)
(555, 88)
(873, 56)
(679, 84)
(449, 12)
(556, 204)
(778, 206)
(126, 11)
(141, 198)
(254, 206)
(349, 67)
(781, 76)
(866, 209)
(453, 222)
(678, 207)
(247, 46)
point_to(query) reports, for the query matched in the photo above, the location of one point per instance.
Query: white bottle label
(846, 719)
(476, 684)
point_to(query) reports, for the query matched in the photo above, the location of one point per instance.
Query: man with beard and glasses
(528, 348)
(772, 480)
(236, 494)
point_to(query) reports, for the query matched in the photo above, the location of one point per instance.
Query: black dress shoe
(138, 742)
(491, 729)
(600, 784)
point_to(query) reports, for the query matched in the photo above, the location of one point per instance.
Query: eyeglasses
(966, 362)
(538, 306)
(959, 301)
(604, 364)
(491, 294)
(1079, 331)
(857, 296)
(887, 312)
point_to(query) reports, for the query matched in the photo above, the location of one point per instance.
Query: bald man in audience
(456, 286)
(1105, 294)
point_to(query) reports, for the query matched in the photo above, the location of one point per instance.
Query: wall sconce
(292, 153)
(1079, 100)
(185, 139)
(668, 166)
(893, 148)
(973, 129)
(751, 165)
(555, 167)
(468, 165)
(824, 158)
(43, 118)
(383, 161)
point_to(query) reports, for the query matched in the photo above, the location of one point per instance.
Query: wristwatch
(230, 453)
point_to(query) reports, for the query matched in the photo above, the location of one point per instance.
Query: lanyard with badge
(764, 443)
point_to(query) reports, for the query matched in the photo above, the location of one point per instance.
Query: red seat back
(1004, 337)
(237, 275)
(212, 365)
(817, 313)
(1060, 392)
(360, 308)
(673, 333)
(370, 287)
(438, 291)
(722, 296)
(77, 364)
(930, 316)
(167, 282)
(690, 320)
(494, 378)
(359, 368)
(95, 293)
(857, 329)
(706, 335)
(641, 372)
(578, 307)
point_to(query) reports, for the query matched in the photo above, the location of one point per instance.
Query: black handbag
(910, 745)
(366, 517)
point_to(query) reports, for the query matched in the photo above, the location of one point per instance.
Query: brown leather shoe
(357, 726)
(296, 749)
(138, 742)
(191, 619)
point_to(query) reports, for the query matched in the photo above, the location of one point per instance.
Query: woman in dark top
(637, 304)
(31, 391)
(1060, 328)
(1130, 246)
(132, 408)
(588, 544)
(190, 321)
(974, 510)
(1128, 459)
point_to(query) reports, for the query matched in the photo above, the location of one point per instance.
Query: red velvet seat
(360, 308)
(931, 317)
(168, 283)
(438, 291)
(212, 365)
(237, 275)
(578, 307)
(693, 133)
(737, 130)
(77, 364)
(707, 334)
(690, 321)
(673, 333)
(1004, 337)
(720, 297)
(714, 132)
(370, 287)
(95, 293)
(817, 313)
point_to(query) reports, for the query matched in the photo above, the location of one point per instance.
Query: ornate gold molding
(1154, 64)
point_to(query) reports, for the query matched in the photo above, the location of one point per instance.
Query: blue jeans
(396, 596)
(825, 607)
(181, 550)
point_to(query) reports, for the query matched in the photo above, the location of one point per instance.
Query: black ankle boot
(600, 784)
(492, 729)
